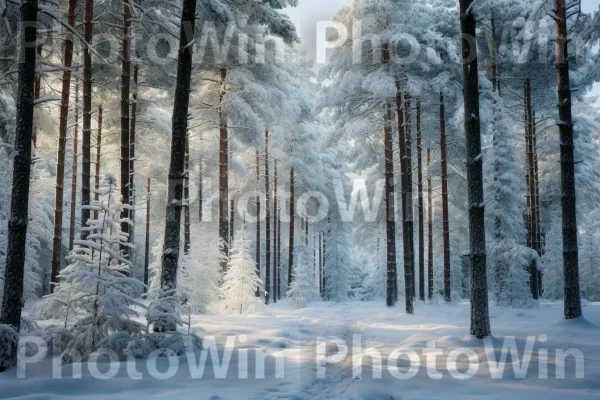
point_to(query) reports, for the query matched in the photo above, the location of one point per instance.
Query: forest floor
(293, 336)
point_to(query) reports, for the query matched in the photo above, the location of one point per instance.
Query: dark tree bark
(132, 139)
(170, 256)
(36, 95)
(537, 205)
(480, 320)
(74, 170)
(410, 223)
(223, 173)
(391, 294)
(430, 229)
(86, 130)
(445, 218)
(321, 263)
(126, 119)
(279, 252)
(391, 290)
(231, 221)
(98, 159)
(420, 205)
(17, 223)
(187, 241)
(533, 236)
(258, 242)
(567, 167)
(291, 234)
(267, 223)
(62, 145)
(147, 245)
(405, 203)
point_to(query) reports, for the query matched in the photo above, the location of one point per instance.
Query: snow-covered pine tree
(304, 287)
(552, 267)
(338, 266)
(240, 282)
(504, 213)
(94, 289)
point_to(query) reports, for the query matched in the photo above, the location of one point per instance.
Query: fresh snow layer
(294, 333)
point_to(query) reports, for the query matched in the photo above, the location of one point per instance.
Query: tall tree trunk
(279, 252)
(86, 130)
(223, 173)
(321, 263)
(126, 119)
(147, 244)
(420, 205)
(390, 215)
(267, 223)
(445, 218)
(567, 167)
(17, 223)
(187, 241)
(170, 255)
(231, 221)
(36, 95)
(98, 159)
(405, 203)
(258, 242)
(132, 138)
(430, 229)
(410, 224)
(62, 145)
(537, 205)
(74, 170)
(291, 234)
(480, 320)
(531, 189)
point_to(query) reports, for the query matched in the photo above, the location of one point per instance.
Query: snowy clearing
(295, 334)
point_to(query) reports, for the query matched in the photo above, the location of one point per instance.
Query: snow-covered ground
(388, 332)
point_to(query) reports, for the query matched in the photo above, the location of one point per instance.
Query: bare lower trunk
(267, 223)
(74, 170)
(430, 229)
(98, 159)
(17, 223)
(223, 173)
(420, 206)
(321, 263)
(231, 221)
(567, 168)
(405, 203)
(170, 255)
(62, 145)
(147, 245)
(186, 197)
(410, 223)
(445, 218)
(480, 320)
(533, 274)
(391, 290)
(132, 144)
(86, 131)
(258, 242)
(291, 234)
(125, 118)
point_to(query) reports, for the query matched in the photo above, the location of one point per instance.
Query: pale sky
(308, 12)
